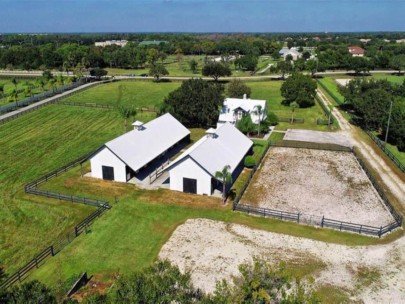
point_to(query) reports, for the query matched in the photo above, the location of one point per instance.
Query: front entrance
(189, 185)
(108, 173)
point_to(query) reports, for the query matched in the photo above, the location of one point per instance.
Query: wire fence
(291, 120)
(321, 221)
(327, 111)
(330, 93)
(383, 147)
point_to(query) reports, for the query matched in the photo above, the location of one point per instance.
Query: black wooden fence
(289, 120)
(323, 222)
(67, 238)
(52, 250)
(382, 146)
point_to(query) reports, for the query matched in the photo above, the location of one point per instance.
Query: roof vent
(138, 125)
(211, 133)
(244, 96)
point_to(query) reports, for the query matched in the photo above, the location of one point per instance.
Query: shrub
(250, 161)
(272, 119)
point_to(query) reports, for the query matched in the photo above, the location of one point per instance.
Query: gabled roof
(246, 104)
(139, 147)
(228, 147)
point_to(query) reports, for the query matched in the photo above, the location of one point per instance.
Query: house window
(240, 114)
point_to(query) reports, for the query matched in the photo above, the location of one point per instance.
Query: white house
(285, 51)
(120, 43)
(235, 108)
(194, 170)
(130, 154)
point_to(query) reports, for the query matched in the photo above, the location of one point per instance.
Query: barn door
(108, 173)
(189, 185)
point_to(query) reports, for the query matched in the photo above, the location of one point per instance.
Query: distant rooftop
(153, 42)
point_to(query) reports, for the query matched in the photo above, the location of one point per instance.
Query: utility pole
(388, 124)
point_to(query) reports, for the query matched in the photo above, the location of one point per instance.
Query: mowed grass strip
(139, 93)
(31, 146)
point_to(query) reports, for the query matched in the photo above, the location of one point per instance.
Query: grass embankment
(270, 91)
(31, 146)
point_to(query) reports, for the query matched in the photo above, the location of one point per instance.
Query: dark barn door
(108, 173)
(189, 185)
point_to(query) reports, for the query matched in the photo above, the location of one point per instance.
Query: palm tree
(41, 83)
(14, 81)
(52, 83)
(226, 177)
(293, 106)
(14, 96)
(259, 111)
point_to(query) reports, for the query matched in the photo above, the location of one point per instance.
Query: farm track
(389, 177)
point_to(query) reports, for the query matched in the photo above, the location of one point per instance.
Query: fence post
(76, 231)
(52, 252)
(36, 262)
(298, 218)
(323, 217)
(380, 233)
(19, 277)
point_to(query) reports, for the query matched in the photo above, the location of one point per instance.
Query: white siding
(106, 158)
(190, 169)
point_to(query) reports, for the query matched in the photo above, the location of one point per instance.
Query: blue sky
(201, 15)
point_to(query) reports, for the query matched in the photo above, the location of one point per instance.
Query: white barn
(234, 109)
(128, 155)
(194, 170)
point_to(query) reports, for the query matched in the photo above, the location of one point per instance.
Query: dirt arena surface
(317, 183)
(212, 251)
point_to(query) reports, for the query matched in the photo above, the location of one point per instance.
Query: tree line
(164, 283)
(372, 101)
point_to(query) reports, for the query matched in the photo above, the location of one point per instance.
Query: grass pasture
(31, 146)
(138, 93)
(270, 91)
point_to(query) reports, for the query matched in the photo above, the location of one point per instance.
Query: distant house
(356, 51)
(365, 40)
(234, 109)
(400, 41)
(120, 43)
(194, 170)
(152, 42)
(285, 51)
(135, 153)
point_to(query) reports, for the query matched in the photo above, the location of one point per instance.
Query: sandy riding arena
(212, 251)
(317, 183)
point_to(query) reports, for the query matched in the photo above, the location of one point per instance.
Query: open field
(182, 68)
(215, 249)
(270, 91)
(137, 93)
(31, 146)
(317, 183)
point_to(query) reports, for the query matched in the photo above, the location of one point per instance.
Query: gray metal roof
(228, 147)
(139, 147)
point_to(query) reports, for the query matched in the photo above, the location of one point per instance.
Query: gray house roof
(139, 147)
(228, 147)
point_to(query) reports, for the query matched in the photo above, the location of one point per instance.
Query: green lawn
(270, 91)
(130, 235)
(136, 92)
(31, 146)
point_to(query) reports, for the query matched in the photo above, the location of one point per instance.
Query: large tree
(31, 292)
(195, 104)
(237, 88)
(299, 88)
(158, 70)
(398, 63)
(216, 70)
